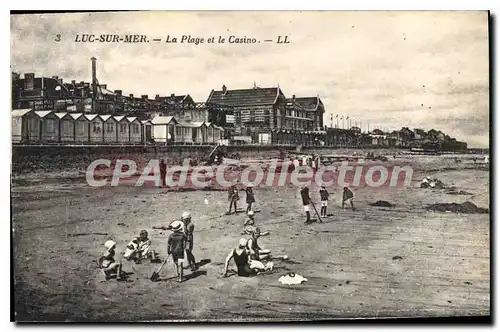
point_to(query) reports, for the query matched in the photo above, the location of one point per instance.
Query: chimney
(157, 97)
(172, 95)
(60, 80)
(82, 83)
(56, 78)
(293, 97)
(29, 81)
(94, 76)
(144, 96)
(224, 89)
(104, 86)
(118, 92)
(131, 95)
(73, 82)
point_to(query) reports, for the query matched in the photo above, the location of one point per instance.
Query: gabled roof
(161, 120)
(106, 117)
(91, 117)
(307, 103)
(20, 112)
(146, 122)
(62, 115)
(76, 116)
(194, 124)
(42, 114)
(119, 117)
(243, 97)
(132, 119)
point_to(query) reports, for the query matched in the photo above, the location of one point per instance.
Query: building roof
(146, 121)
(131, 119)
(242, 97)
(307, 103)
(91, 117)
(76, 116)
(42, 114)
(119, 117)
(194, 124)
(61, 115)
(161, 120)
(20, 112)
(106, 117)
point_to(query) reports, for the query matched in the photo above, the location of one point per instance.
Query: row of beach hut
(30, 126)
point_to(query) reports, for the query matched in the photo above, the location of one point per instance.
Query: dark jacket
(233, 194)
(250, 196)
(347, 194)
(163, 167)
(324, 194)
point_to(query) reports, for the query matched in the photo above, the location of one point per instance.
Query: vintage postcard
(250, 166)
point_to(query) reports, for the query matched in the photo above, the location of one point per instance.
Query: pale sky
(376, 67)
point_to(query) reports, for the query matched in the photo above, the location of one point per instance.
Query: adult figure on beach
(250, 199)
(163, 173)
(245, 265)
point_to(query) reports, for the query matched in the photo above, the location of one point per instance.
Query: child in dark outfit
(324, 200)
(306, 201)
(176, 247)
(347, 196)
(250, 198)
(233, 198)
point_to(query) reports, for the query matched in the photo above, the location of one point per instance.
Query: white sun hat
(176, 225)
(109, 244)
(186, 215)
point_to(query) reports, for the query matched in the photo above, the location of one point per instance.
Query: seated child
(139, 248)
(107, 261)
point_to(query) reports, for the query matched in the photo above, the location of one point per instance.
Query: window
(135, 128)
(123, 128)
(111, 127)
(252, 116)
(96, 127)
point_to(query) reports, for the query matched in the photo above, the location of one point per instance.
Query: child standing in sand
(324, 200)
(233, 198)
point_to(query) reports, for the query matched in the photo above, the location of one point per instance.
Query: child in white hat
(176, 247)
(107, 261)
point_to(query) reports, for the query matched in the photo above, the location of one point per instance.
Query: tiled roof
(307, 103)
(254, 96)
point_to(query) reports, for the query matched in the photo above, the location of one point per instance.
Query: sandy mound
(382, 204)
(466, 207)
